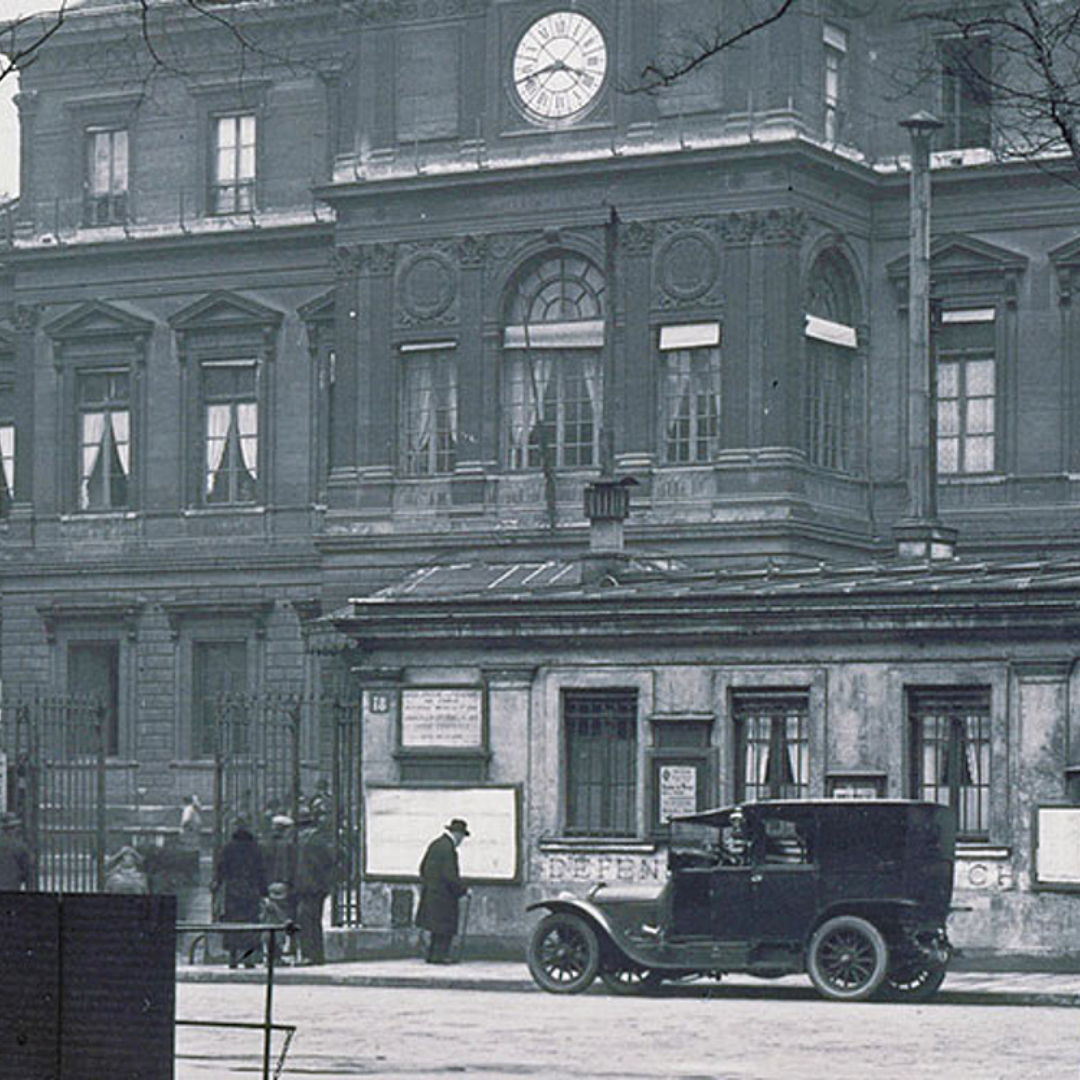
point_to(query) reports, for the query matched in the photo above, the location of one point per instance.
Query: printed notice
(678, 790)
(444, 719)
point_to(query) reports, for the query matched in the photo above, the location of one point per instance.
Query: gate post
(101, 821)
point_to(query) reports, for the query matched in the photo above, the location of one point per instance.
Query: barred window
(950, 753)
(430, 404)
(772, 745)
(966, 391)
(601, 762)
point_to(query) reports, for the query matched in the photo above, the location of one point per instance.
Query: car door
(732, 903)
(784, 878)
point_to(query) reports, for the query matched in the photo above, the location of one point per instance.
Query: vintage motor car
(855, 893)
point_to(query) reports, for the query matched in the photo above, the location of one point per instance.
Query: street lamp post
(920, 534)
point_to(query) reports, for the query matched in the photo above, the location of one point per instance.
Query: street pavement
(960, 988)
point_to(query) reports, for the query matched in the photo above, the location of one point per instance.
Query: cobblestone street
(376, 1032)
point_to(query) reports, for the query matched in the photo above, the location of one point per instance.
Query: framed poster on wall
(442, 718)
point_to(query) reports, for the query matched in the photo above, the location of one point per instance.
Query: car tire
(627, 978)
(913, 985)
(564, 953)
(847, 958)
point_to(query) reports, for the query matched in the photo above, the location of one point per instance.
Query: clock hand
(555, 65)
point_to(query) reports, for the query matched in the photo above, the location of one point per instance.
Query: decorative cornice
(255, 609)
(124, 610)
(387, 12)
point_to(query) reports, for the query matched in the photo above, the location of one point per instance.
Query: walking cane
(460, 944)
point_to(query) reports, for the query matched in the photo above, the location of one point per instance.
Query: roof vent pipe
(607, 506)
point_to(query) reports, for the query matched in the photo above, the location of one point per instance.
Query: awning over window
(585, 334)
(427, 346)
(969, 315)
(690, 336)
(832, 332)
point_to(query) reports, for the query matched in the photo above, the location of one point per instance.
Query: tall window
(601, 762)
(772, 746)
(219, 669)
(553, 394)
(7, 449)
(106, 187)
(233, 189)
(831, 374)
(966, 391)
(104, 406)
(690, 392)
(231, 433)
(430, 404)
(950, 753)
(94, 674)
(966, 80)
(835, 43)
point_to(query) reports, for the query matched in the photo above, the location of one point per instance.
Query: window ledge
(971, 850)
(101, 515)
(222, 511)
(956, 479)
(596, 844)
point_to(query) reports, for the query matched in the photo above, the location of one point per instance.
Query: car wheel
(912, 984)
(847, 958)
(564, 954)
(626, 977)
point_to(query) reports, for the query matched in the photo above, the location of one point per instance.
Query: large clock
(559, 66)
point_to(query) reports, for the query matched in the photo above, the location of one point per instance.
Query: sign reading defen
(401, 822)
(442, 719)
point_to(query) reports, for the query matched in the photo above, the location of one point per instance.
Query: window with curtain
(106, 186)
(231, 433)
(831, 365)
(689, 393)
(965, 352)
(104, 419)
(601, 762)
(430, 411)
(966, 97)
(772, 745)
(835, 46)
(7, 449)
(233, 183)
(950, 753)
(554, 341)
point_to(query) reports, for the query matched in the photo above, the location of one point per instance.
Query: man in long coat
(315, 873)
(241, 876)
(440, 889)
(14, 856)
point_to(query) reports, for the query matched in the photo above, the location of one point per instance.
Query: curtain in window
(421, 406)
(7, 458)
(217, 433)
(121, 437)
(247, 423)
(676, 403)
(592, 372)
(93, 442)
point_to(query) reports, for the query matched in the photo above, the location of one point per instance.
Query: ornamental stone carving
(345, 261)
(427, 285)
(687, 264)
(740, 228)
(636, 237)
(376, 260)
(786, 225)
(472, 251)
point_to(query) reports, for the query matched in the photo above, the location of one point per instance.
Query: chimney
(607, 505)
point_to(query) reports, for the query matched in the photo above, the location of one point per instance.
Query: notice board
(1057, 845)
(400, 822)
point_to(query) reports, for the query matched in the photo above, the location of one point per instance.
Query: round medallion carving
(427, 286)
(688, 266)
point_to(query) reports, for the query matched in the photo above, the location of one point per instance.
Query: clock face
(559, 66)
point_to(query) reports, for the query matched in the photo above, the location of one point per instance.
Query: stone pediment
(321, 309)
(222, 311)
(963, 255)
(96, 319)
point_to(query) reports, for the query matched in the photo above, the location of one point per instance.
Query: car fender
(870, 908)
(608, 932)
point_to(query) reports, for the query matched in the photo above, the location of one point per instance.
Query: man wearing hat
(440, 889)
(14, 856)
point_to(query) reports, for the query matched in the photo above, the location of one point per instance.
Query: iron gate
(261, 769)
(57, 782)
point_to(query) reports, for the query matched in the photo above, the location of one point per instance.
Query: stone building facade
(352, 334)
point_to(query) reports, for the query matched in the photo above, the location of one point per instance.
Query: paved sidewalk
(961, 987)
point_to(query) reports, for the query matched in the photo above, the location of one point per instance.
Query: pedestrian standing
(241, 877)
(315, 874)
(441, 888)
(14, 856)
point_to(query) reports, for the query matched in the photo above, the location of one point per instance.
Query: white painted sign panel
(399, 823)
(1057, 858)
(442, 719)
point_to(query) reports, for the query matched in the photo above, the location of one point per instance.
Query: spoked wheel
(564, 954)
(626, 977)
(912, 983)
(847, 958)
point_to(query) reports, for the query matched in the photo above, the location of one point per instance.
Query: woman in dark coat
(440, 888)
(241, 876)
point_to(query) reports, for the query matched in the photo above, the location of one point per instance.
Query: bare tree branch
(19, 45)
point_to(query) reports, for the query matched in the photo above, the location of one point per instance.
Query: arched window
(553, 342)
(832, 378)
